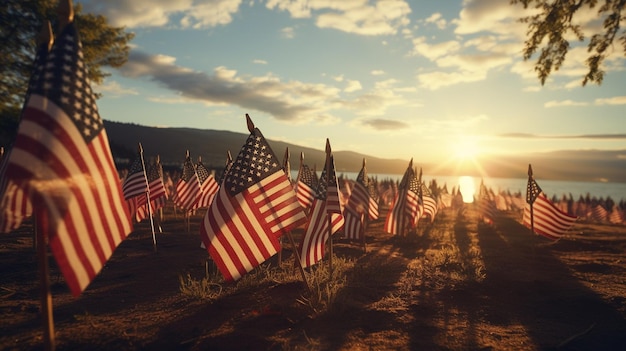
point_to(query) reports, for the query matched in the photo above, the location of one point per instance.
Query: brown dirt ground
(456, 285)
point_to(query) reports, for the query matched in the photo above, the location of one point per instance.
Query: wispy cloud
(582, 136)
(362, 18)
(381, 124)
(617, 100)
(156, 13)
(114, 89)
(287, 101)
(563, 103)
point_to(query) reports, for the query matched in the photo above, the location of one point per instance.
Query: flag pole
(187, 211)
(143, 166)
(532, 217)
(159, 214)
(287, 170)
(365, 215)
(66, 14)
(328, 214)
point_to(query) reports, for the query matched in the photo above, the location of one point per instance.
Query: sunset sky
(430, 80)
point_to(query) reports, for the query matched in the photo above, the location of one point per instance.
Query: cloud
(436, 19)
(287, 101)
(434, 51)
(439, 79)
(381, 124)
(582, 136)
(377, 72)
(113, 89)
(555, 103)
(288, 32)
(617, 100)
(259, 62)
(357, 17)
(195, 14)
(353, 85)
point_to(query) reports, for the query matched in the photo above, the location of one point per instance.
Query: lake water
(617, 191)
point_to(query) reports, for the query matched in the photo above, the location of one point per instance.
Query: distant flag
(405, 206)
(541, 215)
(208, 185)
(486, 206)
(62, 159)
(599, 213)
(136, 182)
(255, 205)
(363, 200)
(158, 193)
(430, 207)
(227, 165)
(188, 186)
(325, 204)
(305, 186)
(616, 216)
(15, 206)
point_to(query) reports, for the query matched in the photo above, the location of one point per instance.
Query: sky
(429, 80)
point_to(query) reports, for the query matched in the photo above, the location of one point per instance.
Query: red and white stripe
(242, 231)
(548, 220)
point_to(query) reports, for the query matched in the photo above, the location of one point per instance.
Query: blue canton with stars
(63, 80)
(255, 161)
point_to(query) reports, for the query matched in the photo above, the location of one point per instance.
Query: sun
(465, 148)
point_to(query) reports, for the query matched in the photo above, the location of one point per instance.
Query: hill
(171, 145)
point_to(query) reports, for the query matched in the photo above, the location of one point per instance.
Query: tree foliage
(20, 24)
(549, 28)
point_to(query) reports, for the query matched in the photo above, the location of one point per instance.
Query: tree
(554, 22)
(20, 24)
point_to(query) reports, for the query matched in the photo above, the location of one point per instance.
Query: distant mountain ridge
(212, 146)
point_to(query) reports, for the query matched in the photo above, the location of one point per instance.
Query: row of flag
(61, 161)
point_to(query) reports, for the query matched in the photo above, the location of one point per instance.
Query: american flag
(430, 207)
(363, 200)
(547, 219)
(158, 194)
(188, 186)
(15, 206)
(208, 186)
(354, 226)
(364, 196)
(136, 183)
(326, 203)
(487, 210)
(305, 187)
(255, 205)
(406, 205)
(62, 159)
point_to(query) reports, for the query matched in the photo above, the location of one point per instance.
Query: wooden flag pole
(365, 215)
(187, 211)
(66, 15)
(328, 215)
(287, 170)
(159, 214)
(532, 217)
(150, 214)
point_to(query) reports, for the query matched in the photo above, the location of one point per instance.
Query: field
(454, 285)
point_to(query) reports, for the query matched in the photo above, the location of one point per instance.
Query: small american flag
(135, 183)
(314, 240)
(62, 159)
(406, 206)
(363, 200)
(188, 186)
(158, 194)
(487, 210)
(305, 187)
(542, 216)
(255, 205)
(208, 186)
